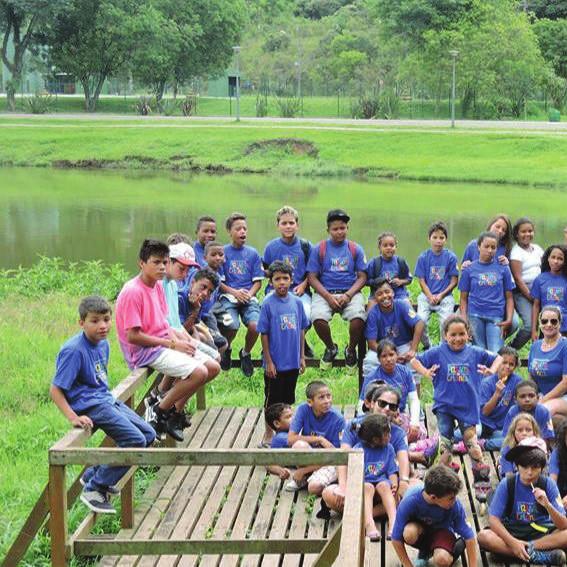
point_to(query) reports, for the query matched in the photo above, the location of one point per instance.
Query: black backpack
(375, 268)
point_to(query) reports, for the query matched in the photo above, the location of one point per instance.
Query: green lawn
(462, 155)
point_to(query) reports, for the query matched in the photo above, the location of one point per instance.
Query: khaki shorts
(320, 309)
(178, 364)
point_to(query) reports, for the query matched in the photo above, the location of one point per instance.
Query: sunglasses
(550, 321)
(390, 405)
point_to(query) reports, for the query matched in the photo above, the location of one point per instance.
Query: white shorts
(354, 309)
(324, 476)
(178, 364)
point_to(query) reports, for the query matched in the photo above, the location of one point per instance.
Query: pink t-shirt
(139, 305)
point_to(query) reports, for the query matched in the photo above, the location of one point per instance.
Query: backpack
(375, 268)
(305, 248)
(322, 246)
(511, 493)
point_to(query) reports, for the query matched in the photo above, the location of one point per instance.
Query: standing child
(390, 266)
(496, 397)
(80, 391)
(456, 369)
(206, 232)
(337, 274)
(502, 227)
(526, 517)
(522, 426)
(437, 272)
(380, 470)
(243, 278)
(316, 424)
(431, 519)
(558, 461)
(550, 287)
(282, 326)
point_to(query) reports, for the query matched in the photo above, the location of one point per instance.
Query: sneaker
(455, 466)
(174, 424)
(246, 363)
(150, 400)
(156, 418)
(432, 453)
(458, 548)
(421, 562)
(110, 490)
(459, 448)
(293, 486)
(225, 361)
(308, 351)
(481, 472)
(351, 360)
(546, 557)
(328, 356)
(97, 502)
(185, 420)
(219, 341)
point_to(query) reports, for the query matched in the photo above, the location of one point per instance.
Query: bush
(261, 106)
(145, 105)
(189, 105)
(40, 103)
(366, 107)
(169, 106)
(389, 103)
(288, 106)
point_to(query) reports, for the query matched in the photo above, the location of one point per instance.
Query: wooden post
(58, 515)
(127, 492)
(361, 355)
(201, 398)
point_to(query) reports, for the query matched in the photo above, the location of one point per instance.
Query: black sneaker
(219, 341)
(328, 356)
(546, 557)
(246, 363)
(150, 400)
(351, 360)
(157, 419)
(185, 420)
(110, 490)
(97, 502)
(308, 351)
(174, 424)
(225, 361)
(458, 548)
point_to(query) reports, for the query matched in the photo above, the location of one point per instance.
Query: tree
(93, 39)
(553, 9)
(19, 21)
(552, 39)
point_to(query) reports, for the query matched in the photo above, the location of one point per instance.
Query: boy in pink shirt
(146, 339)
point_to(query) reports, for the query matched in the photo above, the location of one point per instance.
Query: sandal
(372, 533)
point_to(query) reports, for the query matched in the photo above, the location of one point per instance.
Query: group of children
(180, 316)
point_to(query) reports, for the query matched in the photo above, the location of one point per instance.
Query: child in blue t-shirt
(526, 516)
(523, 425)
(337, 274)
(206, 232)
(496, 398)
(317, 424)
(456, 369)
(502, 227)
(243, 277)
(80, 391)
(486, 296)
(390, 266)
(431, 519)
(282, 326)
(437, 273)
(550, 287)
(380, 470)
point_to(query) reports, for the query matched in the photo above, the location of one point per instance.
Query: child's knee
(411, 533)
(252, 326)
(442, 558)
(136, 439)
(213, 368)
(199, 374)
(301, 445)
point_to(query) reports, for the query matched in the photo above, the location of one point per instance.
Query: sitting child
(558, 461)
(316, 424)
(431, 519)
(523, 425)
(80, 390)
(526, 517)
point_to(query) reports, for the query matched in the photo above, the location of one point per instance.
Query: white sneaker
(293, 486)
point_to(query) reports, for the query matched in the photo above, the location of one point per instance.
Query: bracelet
(404, 479)
(348, 295)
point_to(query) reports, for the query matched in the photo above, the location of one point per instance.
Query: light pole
(298, 67)
(236, 50)
(454, 53)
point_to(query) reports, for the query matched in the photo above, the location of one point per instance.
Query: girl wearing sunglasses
(547, 362)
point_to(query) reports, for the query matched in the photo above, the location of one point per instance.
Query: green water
(105, 215)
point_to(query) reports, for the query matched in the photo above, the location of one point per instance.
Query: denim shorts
(248, 312)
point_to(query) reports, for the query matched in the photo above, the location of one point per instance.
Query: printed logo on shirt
(487, 279)
(437, 273)
(288, 322)
(374, 469)
(525, 511)
(393, 331)
(237, 267)
(339, 264)
(458, 373)
(100, 372)
(555, 294)
(290, 260)
(506, 398)
(389, 274)
(539, 367)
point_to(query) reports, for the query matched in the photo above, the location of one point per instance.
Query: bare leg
(251, 337)
(384, 490)
(184, 389)
(356, 328)
(323, 332)
(229, 335)
(368, 508)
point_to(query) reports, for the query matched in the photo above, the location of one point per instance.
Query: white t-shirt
(530, 260)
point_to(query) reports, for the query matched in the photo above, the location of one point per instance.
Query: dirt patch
(296, 146)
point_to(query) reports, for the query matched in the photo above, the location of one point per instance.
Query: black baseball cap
(337, 214)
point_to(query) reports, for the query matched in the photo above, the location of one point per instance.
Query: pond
(82, 215)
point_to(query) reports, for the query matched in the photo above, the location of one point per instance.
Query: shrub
(365, 107)
(169, 106)
(145, 105)
(189, 105)
(40, 103)
(288, 106)
(261, 106)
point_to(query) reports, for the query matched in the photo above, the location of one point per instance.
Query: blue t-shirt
(551, 289)
(487, 388)
(282, 320)
(506, 467)
(329, 425)
(242, 267)
(456, 384)
(398, 438)
(81, 372)
(389, 269)
(379, 462)
(525, 508)
(401, 379)
(548, 368)
(542, 416)
(279, 440)
(396, 325)
(436, 269)
(472, 252)
(170, 289)
(487, 285)
(554, 462)
(414, 508)
(199, 253)
(338, 269)
(292, 254)
(183, 299)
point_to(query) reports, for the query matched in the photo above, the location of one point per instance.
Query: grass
(528, 158)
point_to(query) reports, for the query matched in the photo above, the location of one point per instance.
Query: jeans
(524, 309)
(127, 429)
(486, 333)
(493, 438)
(446, 426)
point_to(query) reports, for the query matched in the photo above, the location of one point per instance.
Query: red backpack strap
(322, 251)
(353, 249)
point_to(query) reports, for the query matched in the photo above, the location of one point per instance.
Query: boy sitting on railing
(80, 391)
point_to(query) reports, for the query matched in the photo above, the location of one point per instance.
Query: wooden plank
(330, 552)
(58, 524)
(299, 525)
